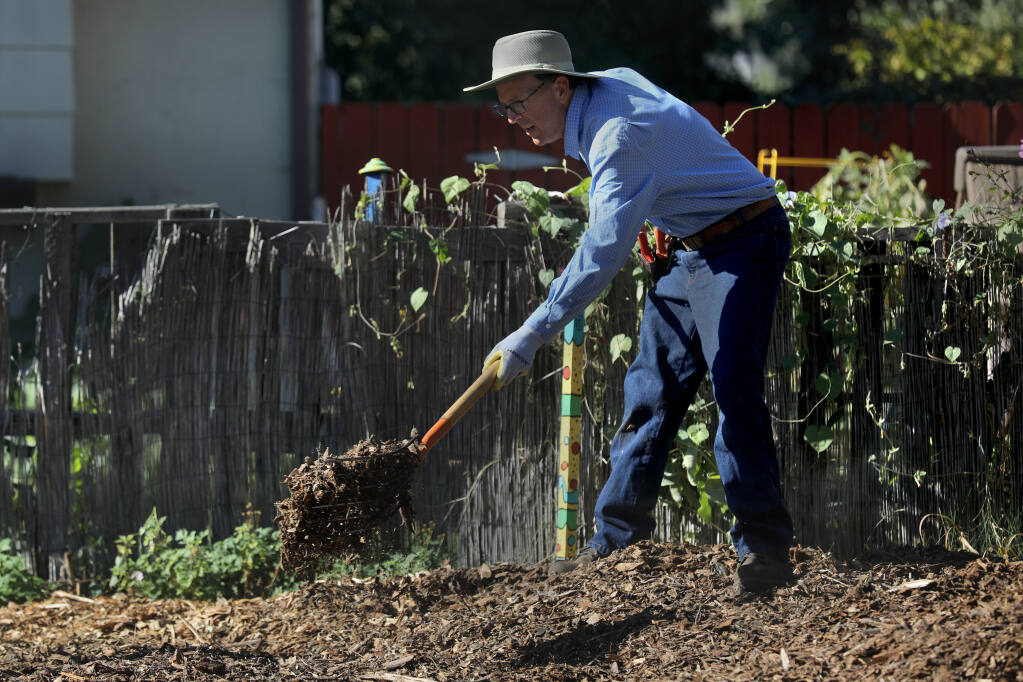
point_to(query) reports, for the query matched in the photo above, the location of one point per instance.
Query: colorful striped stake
(568, 452)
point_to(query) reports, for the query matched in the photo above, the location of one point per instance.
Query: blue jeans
(713, 309)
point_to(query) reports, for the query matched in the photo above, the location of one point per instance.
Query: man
(652, 157)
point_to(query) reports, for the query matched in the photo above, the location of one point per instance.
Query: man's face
(546, 106)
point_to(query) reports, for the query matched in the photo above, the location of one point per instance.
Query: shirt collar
(573, 119)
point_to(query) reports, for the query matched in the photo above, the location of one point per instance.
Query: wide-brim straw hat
(530, 52)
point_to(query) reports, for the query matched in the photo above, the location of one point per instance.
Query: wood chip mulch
(651, 612)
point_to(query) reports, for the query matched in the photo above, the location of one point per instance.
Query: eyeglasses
(518, 107)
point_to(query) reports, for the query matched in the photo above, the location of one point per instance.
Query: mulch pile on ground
(651, 612)
(336, 502)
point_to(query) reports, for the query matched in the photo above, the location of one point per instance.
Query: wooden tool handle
(460, 407)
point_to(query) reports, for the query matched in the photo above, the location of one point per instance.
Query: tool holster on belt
(657, 262)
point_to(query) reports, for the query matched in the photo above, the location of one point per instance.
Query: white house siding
(180, 101)
(36, 90)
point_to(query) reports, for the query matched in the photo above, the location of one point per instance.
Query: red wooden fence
(430, 140)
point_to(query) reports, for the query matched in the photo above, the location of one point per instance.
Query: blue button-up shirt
(651, 157)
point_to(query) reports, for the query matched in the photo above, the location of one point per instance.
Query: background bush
(17, 583)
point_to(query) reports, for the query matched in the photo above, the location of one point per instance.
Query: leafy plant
(425, 550)
(927, 46)
(152, 564)
(17, 583)
(877, 191)
(691, 481)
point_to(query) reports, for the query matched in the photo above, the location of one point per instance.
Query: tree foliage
(430, 49)
(939, 50)
(405, 50)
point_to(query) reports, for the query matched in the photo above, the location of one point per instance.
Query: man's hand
(515, 353)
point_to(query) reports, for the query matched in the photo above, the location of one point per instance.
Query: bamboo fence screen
(237, 346)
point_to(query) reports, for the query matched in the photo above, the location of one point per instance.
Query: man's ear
(562, 89)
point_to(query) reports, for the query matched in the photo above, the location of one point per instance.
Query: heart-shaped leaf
(620, 343)
(545, 277)
(820, 224)
(440, 249)
(452, 186)
(892, 336)
(535, 199)
(819, 437)
(553, 224)
(418, 298)
(698, 433)
(790, 362)
(411, 198)
(823, 383)
(952, 353)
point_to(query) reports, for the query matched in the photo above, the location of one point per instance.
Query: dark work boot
(761, 573)
(587, 555)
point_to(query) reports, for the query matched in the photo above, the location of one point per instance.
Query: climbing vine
(865, 215)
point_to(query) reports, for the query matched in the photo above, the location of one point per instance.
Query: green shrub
(17, 583)
(151, 564)
(426, 550)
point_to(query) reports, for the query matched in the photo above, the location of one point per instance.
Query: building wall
(36, 93)
(180, 101)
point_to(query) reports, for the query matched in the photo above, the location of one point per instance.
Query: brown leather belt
(731, 221)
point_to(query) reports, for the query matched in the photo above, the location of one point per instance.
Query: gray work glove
(515, 353)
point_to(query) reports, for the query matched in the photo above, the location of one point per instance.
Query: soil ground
(651, 612)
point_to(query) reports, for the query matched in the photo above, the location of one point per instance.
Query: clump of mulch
(336, 502)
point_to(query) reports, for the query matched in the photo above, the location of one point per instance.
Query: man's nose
(512, 117)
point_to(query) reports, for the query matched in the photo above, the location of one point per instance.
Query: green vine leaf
(698, 433)
(892, 336)
(535, 199)
(452, 186)
(581, 191)
(411, 199)
(553, 224)
(440, 250)
(418, 298)
(845, 250)
(819, 226)
(546, 277)
(829, 385)
(620, 343)
(819, 437)
(705, 512)
(952, 353)
(807, 276)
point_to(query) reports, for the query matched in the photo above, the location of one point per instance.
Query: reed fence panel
(240, 346)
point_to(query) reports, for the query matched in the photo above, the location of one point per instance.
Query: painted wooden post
(376, 174)
(569, 446)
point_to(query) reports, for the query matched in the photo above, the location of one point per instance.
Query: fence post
(54, 429)
(5, 342)
(568, 450)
